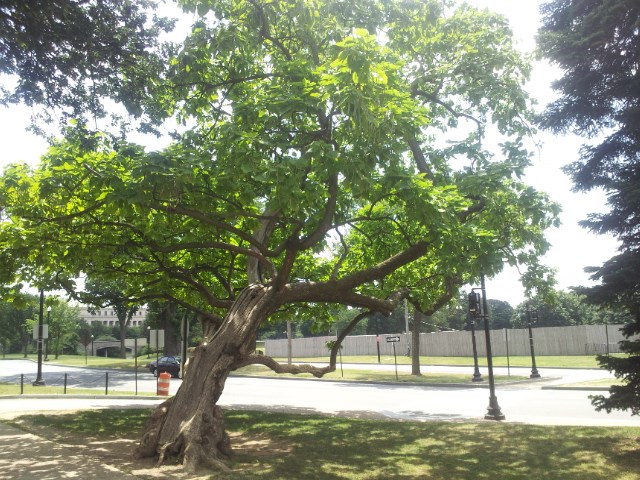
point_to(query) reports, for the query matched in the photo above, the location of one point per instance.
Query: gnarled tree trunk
(190, 426)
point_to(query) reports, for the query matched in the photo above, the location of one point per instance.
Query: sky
(573, 248)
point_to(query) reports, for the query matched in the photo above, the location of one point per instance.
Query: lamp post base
(477, 377)
(534, 375)
(494, 414)
(493, 410)
(38, 383)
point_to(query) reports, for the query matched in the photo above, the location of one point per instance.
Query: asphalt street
(525, 402)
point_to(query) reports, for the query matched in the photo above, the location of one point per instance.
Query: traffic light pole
(478, 307)
(534, 368)
(477, 376)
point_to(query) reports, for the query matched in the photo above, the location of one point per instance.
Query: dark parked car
(166, 364)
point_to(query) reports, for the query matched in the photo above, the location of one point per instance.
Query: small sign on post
(393, 340)
(156, 339)
(45, 332)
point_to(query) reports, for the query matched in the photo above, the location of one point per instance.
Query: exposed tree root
(149, 441)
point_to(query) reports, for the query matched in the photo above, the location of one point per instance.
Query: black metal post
(21, 383)
(395, 360)
(148, 341)
(92, 350)
(46, 342)
(135, 356)
(493, 410)
(65, 382)
(39, 381)
(477, 376)
(378, 337)
(106, 383)
(534, 369)
(506, 341)
(339, 353)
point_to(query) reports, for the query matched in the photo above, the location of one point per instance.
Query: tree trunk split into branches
(190, 426)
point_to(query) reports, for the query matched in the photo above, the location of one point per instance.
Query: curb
(568, 387)
(400, 384)
(45, 396)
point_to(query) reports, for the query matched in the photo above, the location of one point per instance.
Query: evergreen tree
(597, 45)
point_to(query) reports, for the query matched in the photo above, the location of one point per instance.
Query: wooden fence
(576, 340)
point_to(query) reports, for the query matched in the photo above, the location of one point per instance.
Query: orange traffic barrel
(164, 380)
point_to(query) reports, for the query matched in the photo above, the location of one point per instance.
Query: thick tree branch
(384, 268)
(204, 218)
(317, 372)
(342, 290)
(327, 220)
(261, 237)
(418, 156)
(432, 98)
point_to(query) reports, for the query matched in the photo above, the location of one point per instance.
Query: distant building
(107, 316)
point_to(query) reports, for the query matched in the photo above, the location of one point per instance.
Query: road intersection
(522, 402)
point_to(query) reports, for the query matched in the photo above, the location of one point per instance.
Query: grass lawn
(603, 382)
(361, 373)
(364, 375)
(81, 361)
(579, 361)
(278, 446)
(550, 361)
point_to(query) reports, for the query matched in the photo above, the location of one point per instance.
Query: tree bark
(123, 335)
(190, 426)
(415, 343)
(168, 322)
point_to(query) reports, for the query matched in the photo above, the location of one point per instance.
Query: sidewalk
(24, 456)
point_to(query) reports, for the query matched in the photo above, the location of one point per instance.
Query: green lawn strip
(363, 375)
(547, 361)
(28, 389)
(603, 382)
(93, 362)
(279, 446)
(584, 361)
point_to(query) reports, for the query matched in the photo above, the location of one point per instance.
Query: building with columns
(107, 316)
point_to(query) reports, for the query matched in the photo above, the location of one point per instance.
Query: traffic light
(475, 307)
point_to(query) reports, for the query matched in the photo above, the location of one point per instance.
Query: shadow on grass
(279, 445)
(338, 448)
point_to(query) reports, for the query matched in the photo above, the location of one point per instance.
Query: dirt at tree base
(118, 452)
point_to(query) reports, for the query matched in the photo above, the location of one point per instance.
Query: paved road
(526, 403)
(91, 378)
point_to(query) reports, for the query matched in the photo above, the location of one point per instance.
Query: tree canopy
(596, 43)
(335, 153)
(73, 55)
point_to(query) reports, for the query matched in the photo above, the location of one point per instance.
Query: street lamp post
(148, 341)
(477, 376)
(478, 307)
(92, 351)
(46, 342)
(532, 316)
(378, 337)
(39, 380)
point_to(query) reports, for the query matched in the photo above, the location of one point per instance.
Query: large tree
(597, 45)
(335, 156)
